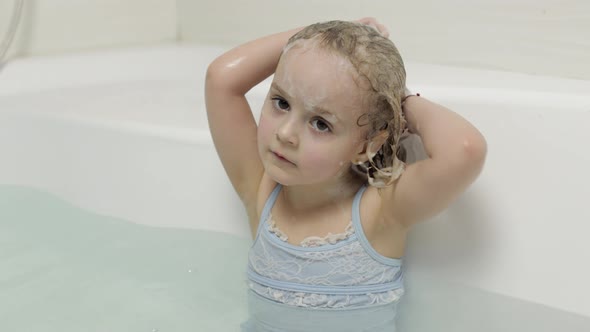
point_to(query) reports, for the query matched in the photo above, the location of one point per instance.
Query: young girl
(329, 197)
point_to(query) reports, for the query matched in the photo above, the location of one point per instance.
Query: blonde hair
(378, 62)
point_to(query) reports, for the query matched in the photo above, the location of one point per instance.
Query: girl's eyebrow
(278, 88)
(315, 109)
(322, 111)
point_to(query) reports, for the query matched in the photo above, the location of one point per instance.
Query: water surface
(66, 269)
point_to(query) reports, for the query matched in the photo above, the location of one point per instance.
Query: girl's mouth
(282, 158)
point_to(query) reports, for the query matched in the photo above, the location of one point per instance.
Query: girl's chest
(330, 225)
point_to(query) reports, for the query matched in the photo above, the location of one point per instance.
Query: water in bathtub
(66, 269)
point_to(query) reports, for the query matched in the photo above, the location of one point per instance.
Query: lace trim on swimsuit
(312, 300)
(312, 241)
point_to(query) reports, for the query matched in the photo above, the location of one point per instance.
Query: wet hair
(378, 63)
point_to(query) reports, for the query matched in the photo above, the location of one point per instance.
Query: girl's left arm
(457, 152)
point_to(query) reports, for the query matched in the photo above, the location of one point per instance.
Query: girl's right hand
(372, 22)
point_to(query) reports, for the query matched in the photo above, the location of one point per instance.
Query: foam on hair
(382, 75)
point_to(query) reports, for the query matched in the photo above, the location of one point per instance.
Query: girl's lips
(281, 157)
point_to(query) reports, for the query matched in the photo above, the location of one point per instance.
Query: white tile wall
(56, 26)
(549, 37)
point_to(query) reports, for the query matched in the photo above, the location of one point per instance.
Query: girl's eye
(320, 125)
(280, 103)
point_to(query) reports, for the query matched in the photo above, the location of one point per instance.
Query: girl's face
(308, 130)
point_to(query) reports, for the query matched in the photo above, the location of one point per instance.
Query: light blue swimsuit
(346, 274)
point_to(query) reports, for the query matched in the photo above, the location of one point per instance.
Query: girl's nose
(287, 132)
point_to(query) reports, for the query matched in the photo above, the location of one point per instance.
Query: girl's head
(334, 107)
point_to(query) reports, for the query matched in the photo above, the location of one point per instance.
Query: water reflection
(266, 316)
(65, 269)
(430, 304)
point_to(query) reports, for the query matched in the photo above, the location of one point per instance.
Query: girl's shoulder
(386, 235)
(255, 202)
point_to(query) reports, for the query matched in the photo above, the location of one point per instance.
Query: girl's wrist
(409, 94)
(409, 118)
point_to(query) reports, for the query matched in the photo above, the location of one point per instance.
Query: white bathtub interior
(123, 134)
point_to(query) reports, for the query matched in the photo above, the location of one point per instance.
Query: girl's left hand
(372, 22)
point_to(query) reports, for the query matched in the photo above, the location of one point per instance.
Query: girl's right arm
(231, 122)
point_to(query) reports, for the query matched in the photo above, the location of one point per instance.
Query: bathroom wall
(57, 26)
(546, 37)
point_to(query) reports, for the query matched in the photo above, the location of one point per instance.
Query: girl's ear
(371, 147)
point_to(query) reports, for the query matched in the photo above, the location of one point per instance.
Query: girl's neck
(305, 198)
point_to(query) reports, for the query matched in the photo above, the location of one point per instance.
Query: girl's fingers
(384, 31)
(372, 22)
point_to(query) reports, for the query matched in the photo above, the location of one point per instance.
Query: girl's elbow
(214, 73)
(475, 149)
(218, 79)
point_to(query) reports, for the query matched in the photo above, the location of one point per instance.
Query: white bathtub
(124, 133)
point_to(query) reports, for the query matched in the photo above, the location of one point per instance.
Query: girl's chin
(291, 180)
(284, 179)
(278, 175)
